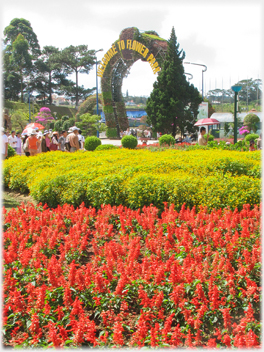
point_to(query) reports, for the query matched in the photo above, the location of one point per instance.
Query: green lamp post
(236, 89)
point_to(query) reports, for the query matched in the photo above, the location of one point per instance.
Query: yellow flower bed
(215, 178)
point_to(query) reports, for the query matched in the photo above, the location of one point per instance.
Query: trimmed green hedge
(166, 139)
(251, 136)
(91, 143)
(106, 147)
(129, 142)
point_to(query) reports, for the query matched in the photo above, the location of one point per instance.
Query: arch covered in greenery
(131, 46)
(88, 106)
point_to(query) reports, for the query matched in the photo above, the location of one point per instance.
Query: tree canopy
(90, 124)
(50, 77)
(20, 58)
(43, 71)
(251, 120)
(20, 50)
(21, 26)
(77, 59)
(173, 103)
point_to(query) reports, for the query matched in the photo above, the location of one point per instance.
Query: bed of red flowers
(117, 277)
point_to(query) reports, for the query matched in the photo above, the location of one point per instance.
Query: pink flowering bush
(244, 130)
(44, 116)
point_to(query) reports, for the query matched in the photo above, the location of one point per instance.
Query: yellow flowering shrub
(215, 178)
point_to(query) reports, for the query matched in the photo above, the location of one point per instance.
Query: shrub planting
(129, 142)
(210, 138)
(251, 136)
(10, 151)
(111, 133)
(106, 147)
(91, 143)
(216, 178)
(166, 139)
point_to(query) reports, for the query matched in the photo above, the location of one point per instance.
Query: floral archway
(131, 46)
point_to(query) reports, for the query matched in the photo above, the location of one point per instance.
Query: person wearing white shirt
(12, 140)
(81, 140)
(4, 144)
(19, 144)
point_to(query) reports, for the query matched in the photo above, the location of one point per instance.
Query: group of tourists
(252, 145)
(35, 142)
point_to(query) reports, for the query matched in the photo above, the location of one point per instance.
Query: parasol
(35, 125)
(27, 131)
(206, 122)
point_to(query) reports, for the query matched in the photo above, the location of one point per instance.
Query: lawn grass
(13, 199)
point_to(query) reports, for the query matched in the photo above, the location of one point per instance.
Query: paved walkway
(118, 142)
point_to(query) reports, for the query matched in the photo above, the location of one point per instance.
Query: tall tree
(20, 43)
(70, 90)
(220, 95)
(173, 104)
(21, 26)
(12, 85)
(21, 59)
(251, 90)
(77, 59)
(49, 66)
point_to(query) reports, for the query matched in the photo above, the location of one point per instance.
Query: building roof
(223, 116)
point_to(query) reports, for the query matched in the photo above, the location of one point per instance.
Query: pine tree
(173, 103)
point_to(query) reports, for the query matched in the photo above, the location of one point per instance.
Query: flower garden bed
(137, 178)
(121, 277)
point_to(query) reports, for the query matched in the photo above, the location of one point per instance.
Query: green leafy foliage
(166, 139)
(20, 48)
(210, 138)
(58, 125)
(77, 59)
(129, 142)
(66, 125)
(89, 124)
(251, 120)
(173, 103)
(197, 176)
(64, 118)
(106, 147)
(88, 106)
(251, 136)
(10, 151)
(19, 119)
(91, 143)
(49, 76)
(111, 132)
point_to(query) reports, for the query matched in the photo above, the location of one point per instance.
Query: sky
(226, 36)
